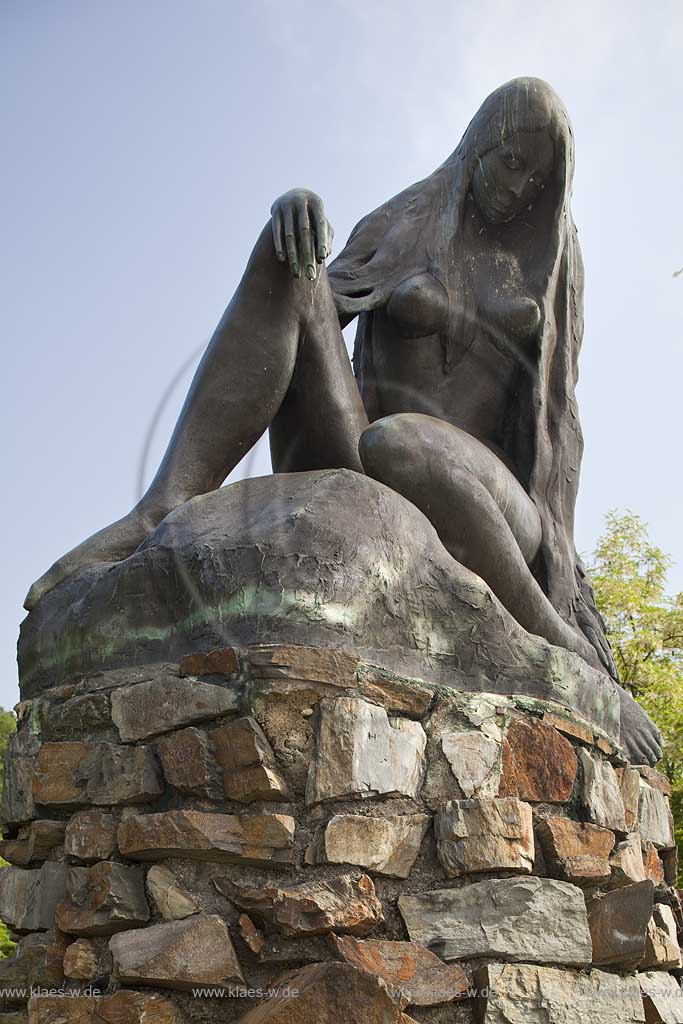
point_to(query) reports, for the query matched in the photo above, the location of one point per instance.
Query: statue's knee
(384, 446)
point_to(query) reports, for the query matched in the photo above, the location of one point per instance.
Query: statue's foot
(111, 544)
(640, 737)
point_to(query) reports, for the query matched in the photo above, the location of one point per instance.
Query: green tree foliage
(8, 724)
(645, 628)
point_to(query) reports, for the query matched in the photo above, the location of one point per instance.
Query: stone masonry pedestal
(282, 833)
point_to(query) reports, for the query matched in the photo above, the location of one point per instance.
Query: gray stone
(159, 705)
(28, 897)
(655, 819)
(18, 807)
(535, 920)
(524, 994)
(475, 761)
(618, 923)
(485, 835)
(362, 752)
(80, 715)
(661, 944)
(172, 902)
(177, 955)
(662, 997)
(388, 845)
(74, 773)
(629, 783)
(601, 793)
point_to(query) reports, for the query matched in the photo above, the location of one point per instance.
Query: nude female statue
(468, 287)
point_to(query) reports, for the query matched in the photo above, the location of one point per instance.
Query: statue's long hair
(423, 230)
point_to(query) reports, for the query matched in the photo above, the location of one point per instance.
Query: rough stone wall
(373, 848)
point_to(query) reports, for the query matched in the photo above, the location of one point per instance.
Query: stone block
(412, 974)
(485, 835)
(388, 845)
(222, 661)
(91, 835)
(102, 899)
(119, 1008)
(81, 961)
(171, 900)
(539, 764)
(575, 851)
(655, 779)
(525, 994)
(629, 784)
(189, 763)
(627, 862)
(618, 924)
(248, 762)
(18, 806)
(655, 819)
(95, 773)
(533, 920)
(28, 897)
(662, 951)
(475, 761)
(80, 715)
(259, 839)
(177, 955)
(250, 934)
(328, 993)
(33, 843)
(342, 904)
(399, 696)
(300, 663)
(570, 727)
(600, 794)
(654, 866)
(662, 996)
(161, 704)
(361, 752)
(36, 962)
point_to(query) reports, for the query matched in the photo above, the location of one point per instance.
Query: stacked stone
(285, 834)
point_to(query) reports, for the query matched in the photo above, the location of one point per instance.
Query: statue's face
(510, 177)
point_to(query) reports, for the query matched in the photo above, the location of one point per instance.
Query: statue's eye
(514, 163)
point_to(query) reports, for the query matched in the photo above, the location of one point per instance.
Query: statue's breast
(418, 307)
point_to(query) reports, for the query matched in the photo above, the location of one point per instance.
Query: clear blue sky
(146, 140)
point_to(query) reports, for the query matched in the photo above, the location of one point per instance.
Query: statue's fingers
(305, 240)
(290, 241)
(323, 242)
(278, 234)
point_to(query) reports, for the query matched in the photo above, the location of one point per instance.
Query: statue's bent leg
(236, 392)
(481, 512)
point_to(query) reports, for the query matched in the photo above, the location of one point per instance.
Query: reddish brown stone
(119, 1008)
(414, 976)
(103, 899)
(36, 962)
(248, 762)
(257, 839)
(654, 869)
(655, 779)
(251, 935)
(570, 727)
(574, 851)
(302, 663)
(618, 923)
(178, 954)
(629, 783)
(80, 960)
(538, 763)
(328, 993)
(33, 843)
(91, 835)
(343, 904)
(97, 773)
(189, 763)
(162, 704)
(222, 661)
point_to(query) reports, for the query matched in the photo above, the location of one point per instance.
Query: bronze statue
(468, 288)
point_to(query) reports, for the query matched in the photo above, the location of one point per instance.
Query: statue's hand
(640, 737)
(301, 231)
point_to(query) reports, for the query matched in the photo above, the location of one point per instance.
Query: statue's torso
(472, 387)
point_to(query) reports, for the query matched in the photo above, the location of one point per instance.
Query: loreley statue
(468, 289)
